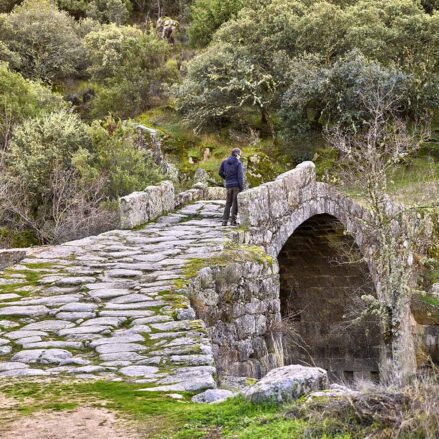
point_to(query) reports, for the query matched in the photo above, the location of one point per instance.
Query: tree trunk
(266, 120)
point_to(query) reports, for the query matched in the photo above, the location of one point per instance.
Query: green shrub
(58, 53)
(42, 143)
(207, 16)
(21, 99)
(129, 66)
(119, 155)
(109, 11)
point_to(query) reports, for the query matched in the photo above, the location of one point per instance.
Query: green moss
(38, 265)
(430, 300)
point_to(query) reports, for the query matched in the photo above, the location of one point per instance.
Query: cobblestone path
(109, 306)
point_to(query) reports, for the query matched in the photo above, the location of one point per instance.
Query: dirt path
(82, 423)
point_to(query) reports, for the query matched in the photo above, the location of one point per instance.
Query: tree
(207, 16)
(109, 11)
(397, 35)
(220, 82)
(43, 39)
(118, 156)
(129, 66)
(396, 234)
(333, 94)
(21, 99)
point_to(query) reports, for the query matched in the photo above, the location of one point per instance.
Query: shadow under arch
(322, 279)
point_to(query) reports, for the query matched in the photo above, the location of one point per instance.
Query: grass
(156, 414)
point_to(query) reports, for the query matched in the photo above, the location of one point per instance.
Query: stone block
(168, 196)
(287, 383)
(215, 193)
(133, 210)
(154, 205)
(277, 194)
(11, 257)
(254, 207)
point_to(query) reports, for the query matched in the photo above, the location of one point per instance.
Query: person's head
(236, 152)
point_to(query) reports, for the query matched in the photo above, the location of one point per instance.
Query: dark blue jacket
(231, 171)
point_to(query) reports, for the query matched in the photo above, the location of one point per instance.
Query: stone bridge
(176, 303)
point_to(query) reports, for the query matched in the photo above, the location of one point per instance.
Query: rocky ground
(112, 305)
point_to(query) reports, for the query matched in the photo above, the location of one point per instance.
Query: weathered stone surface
(10, 365)
(15, 335)
(43, 356)
(89, 329)
(22, 311)
(213, 395)
(111, 348)
(23, 373)
(139, 371)
(72, 316)
(287, 383)
(47, 325)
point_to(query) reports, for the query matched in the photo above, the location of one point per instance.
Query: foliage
(119, 156)
(43, 40)
(207, 16)
(270, 37)
(336, 94)
(21, 99)
(109, 11)
(130, 65)
(222, 80)
(42, 143)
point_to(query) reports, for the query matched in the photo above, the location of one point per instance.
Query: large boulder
(287, 383)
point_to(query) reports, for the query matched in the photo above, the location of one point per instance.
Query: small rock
(119, 347)
(175, 395)
(139, 371)
(43, 356)
(5, 350)
(213, 395)
(79, 307)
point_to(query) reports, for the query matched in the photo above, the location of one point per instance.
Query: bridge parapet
(271, 212)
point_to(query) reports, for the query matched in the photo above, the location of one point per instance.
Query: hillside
(128, 310)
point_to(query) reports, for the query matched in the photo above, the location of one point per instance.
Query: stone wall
(141, 207)
(239, 302)
(10, 257)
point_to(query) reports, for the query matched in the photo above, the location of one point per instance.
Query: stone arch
(320, 282)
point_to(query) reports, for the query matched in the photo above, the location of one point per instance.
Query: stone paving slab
(105, 306)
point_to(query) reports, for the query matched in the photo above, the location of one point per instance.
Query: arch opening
(322, 280)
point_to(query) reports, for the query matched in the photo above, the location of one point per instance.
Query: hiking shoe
(233, 223)
(224, 223)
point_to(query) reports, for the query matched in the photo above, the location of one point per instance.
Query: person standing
(232, 172)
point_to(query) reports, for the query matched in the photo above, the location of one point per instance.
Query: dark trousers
(231, 203)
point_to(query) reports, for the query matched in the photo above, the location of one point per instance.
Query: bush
(119, 156)
(58, 53)
(129, 66)
(318, 95)
(109, 11)
(207, 16)
(42, 144)
(21, 99)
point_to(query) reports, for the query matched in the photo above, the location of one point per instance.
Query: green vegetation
(157, 416)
